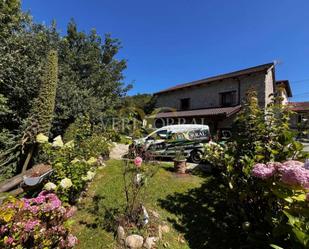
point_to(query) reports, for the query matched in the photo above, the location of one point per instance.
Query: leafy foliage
(72, 167)
(89, 81)
(260, 136)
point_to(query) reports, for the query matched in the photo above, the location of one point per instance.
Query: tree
(90, 78)
(144, 102)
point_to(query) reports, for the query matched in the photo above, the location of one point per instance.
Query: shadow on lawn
(103, 216)
(205, 218)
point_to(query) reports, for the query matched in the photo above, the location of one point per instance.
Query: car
(166, 141)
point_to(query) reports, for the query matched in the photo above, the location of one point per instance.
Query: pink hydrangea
(70, 212)
(72, 240)
(3, 229)
(293, 163)
(263, 171)
(9, 241)
(30, 224)
(39, 200)
(138, 161)
(295, 176)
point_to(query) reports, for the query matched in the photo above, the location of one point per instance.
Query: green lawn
(106, 193)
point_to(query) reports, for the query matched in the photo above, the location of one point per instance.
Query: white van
(166, 141)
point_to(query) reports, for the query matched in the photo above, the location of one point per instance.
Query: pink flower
(34, 209)
(72, 240)
(138, 161)
(8, 241)
(293, 163)
(39, 200)
(70, 212)
(3, 229)
(30, 225)
(69, 242)
(295, 176)
(263, 171)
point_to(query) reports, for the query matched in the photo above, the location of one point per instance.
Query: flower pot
(180, 166)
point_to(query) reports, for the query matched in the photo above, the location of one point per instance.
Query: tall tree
(90, 77)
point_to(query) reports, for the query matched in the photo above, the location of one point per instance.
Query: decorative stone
(134, 241)
(150, 242)
(121, 235)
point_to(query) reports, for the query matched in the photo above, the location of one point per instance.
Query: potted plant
(180, 162)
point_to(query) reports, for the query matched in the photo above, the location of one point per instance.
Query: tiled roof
(226, 111)
(219, 77)
(287, 87)
(299, 106)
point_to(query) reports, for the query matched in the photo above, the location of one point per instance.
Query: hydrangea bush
(289, 182)
(41, 222)
(260, 191)
(71, 170)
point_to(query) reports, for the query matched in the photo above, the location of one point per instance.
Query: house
(300, 118)
(216, 100)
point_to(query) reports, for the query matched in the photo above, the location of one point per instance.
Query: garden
(60, 189)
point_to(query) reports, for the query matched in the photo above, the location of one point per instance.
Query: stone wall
(208, 95)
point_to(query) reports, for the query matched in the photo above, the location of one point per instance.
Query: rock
(150, 242)
(121, 235)
(134, 241)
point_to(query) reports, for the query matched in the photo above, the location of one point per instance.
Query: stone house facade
(216, 100)
(300, 118)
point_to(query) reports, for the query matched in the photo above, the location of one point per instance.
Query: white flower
(58, 142)
(75, 160)
(41, 138)
(69, 144)
(66, 183)
(89, 177)
(50, 186)
(92, 161)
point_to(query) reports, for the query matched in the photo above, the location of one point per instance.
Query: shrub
(134, 217)
(260, 136)
(40, 222)
(89, 142)
(72, 170)
(289, 183)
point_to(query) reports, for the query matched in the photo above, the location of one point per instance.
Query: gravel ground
(118, 151)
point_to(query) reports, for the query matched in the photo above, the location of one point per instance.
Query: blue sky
(167, 42)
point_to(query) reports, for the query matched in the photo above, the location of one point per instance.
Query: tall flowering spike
(138, 161)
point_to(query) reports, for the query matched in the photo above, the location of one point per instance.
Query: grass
(106, 193)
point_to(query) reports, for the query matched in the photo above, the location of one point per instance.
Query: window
(162, 134)
(185, 104)
(228, 98)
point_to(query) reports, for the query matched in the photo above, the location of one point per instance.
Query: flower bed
(40, 222)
